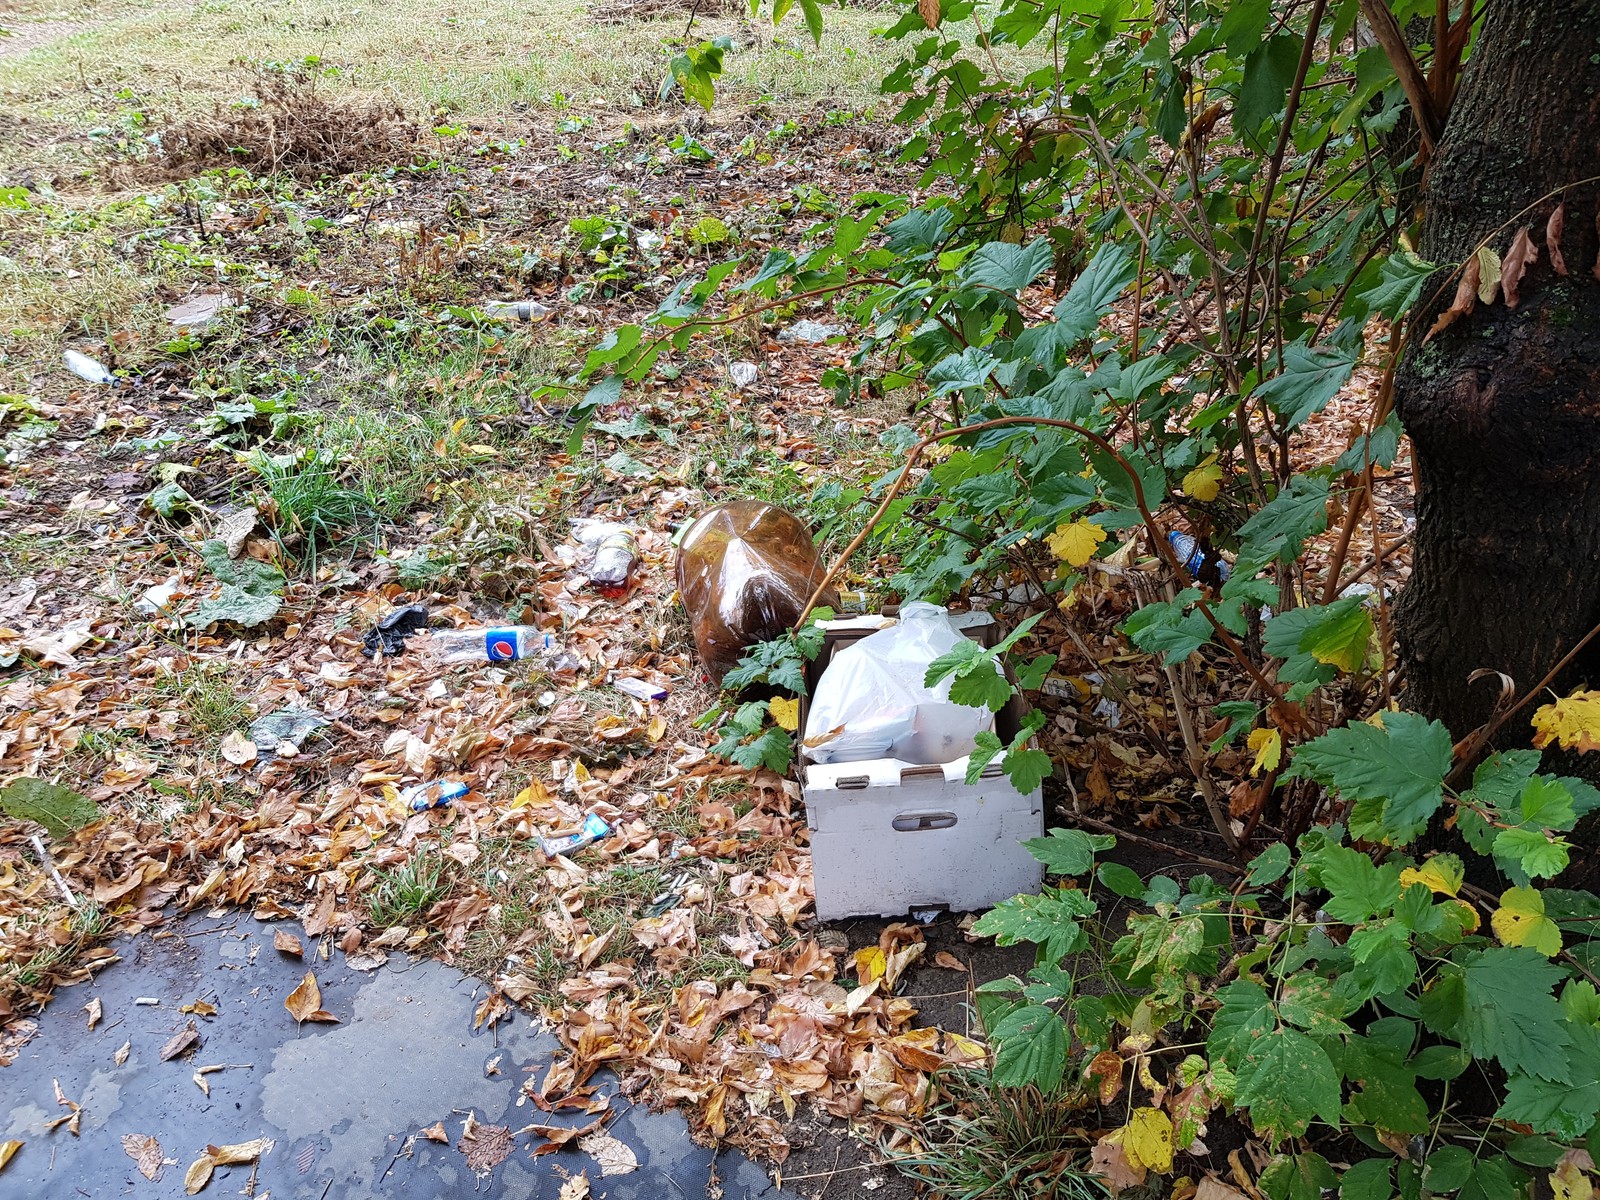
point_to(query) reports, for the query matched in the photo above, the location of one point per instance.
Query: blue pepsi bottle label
(500, 645)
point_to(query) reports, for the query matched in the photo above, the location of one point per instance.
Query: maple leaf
(1573, 723)
(1076, 543)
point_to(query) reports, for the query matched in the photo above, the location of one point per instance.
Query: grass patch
(994, 1143)
(404, 895)
(203, 693)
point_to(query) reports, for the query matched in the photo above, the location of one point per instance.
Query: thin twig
(49, 865)
(1176, 851)
(1197, 758)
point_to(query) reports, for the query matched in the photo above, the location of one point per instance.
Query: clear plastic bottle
(615, 557)
(493, 643)
(1194, 558)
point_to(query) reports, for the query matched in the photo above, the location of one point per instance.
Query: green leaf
(813, 14)
(1369, 1180)
(1447, 1169)
(773, 749)
(1504, 1009)
(170, 499)
(1490, 1181)
(1245, 1015)
(1306, 381)
(1269, 866)
(1124, 881)
(1402, 765)
(1281, 527)
(1049, 919)
(1440, 1062)
(1285, 1080)
(1028, 769)
(987, 748)
(1163, 627)
(242, 608)
(1005, 267)
(1318, 641)
(59, 809)
(248, 574)
(1546, 803)
(1064, 852)
(1298, 1177)
(1564, 1110)
(1031, 1048)
(1399, 283)
(1092, 294)
(1269, 69)
(1539, 856)
(1358, 888)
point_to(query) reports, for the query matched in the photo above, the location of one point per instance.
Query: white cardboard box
(888, 837)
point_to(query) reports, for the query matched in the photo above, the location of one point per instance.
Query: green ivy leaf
(1285, 1080)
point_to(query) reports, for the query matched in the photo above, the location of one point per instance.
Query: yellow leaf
(1147, 1140)
(1077, 542)
(1442, 874)
(1573, 723)
(7, 1149)
(786, 712)
(486, 451)
(1568, 1182)
(534, 794)
(1268, 747)
(870, 965)
(1205, 481)
(1488, 274)
(1520, 921)
(198, 1174)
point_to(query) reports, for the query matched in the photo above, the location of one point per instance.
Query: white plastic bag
(872, 701)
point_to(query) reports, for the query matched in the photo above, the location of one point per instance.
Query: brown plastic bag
(745, 570)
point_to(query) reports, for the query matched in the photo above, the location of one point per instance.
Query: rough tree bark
(1503, 407)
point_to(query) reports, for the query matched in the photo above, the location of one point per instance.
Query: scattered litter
(197, 312)
(744, 572)
(743, 374)
(611, 555)
(390, 634)
(639, 689)
(494, 643)
(87, 368)
(926, 916)
(871, 702)
(157, 598)
(148, 1001)
(592, 830)
(514, 310)
(1105, 708)
(436, 794)
(284, 731)
(810, 333)
(1193, 557)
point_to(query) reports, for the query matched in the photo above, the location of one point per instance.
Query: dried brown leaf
(145, 1152)
(948, 961)
(1215, 1189)
(198, 1174)
(1465, 301)
(930, 12)
(1106, 1069)
(576, 1188)
(200, 1008)
(305, 1001)
(239, 1152)
(1522, 254)
(121, 1056)
(95, 1011)
(1488, 275)
(1552, 238)
(238, 749)
(486, 1147)
(287, 943)
(183, 1040)
(435, 1133)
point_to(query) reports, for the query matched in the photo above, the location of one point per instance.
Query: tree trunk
(1503, 407)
